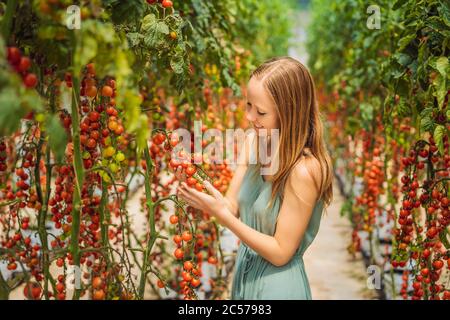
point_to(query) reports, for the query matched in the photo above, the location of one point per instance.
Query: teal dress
(256, 278)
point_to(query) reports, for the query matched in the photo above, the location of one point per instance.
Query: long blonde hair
(292, 89)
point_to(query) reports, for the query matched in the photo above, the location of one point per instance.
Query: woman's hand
(214, 204)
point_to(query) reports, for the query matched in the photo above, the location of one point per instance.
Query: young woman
(276, 217)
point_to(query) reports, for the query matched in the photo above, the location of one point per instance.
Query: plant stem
(42, 231)
(151, 217)
(79, 177)
(104, 216)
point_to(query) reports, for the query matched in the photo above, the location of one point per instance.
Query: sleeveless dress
(256, 278)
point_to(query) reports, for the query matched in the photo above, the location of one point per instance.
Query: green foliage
(144, 47)
(404, 62)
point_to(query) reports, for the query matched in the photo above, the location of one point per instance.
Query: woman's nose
(250, 117)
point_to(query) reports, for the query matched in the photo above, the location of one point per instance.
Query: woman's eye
(261, 113)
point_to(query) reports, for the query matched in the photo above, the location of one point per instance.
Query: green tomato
(120, 157)
(40, 117)
(107, 141)
(86, 155)
(114, 167)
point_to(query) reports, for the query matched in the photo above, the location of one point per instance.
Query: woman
(276, 217)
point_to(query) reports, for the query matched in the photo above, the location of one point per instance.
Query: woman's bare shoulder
(307, 171)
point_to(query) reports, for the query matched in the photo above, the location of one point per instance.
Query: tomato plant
(87, 120)
(385, 91)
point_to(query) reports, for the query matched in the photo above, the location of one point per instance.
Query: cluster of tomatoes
(94, 136)
(417, 178)
(21, 65)
(370, 166)
(61, 203)
(161, 149)
(90, 236)
(418, 234)
(104, 144)
(189, 247)
(24, 195)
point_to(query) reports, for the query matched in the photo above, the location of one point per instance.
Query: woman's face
(261, 110)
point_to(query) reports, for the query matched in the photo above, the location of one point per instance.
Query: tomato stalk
(79, 177)
(151, 217)
(104, 215)
(127, 222)
(42, 216)
(104, 223)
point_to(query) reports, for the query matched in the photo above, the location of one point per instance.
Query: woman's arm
(293, 219)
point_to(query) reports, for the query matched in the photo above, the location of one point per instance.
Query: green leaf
(162, 27)
(10, 111)
(155, 33)
(438, 137)
(426, 120)
(444, 12)
(398, 4)
(403, 59)
(57, 137)
(440, 86)
(442, 66)
(426, 124)
(177, 64)
(148, 22)
(443, 237)
(151, 38)
(403, 108)
(403, 42)
(427, 112)
(134, 38)
(366, 112)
